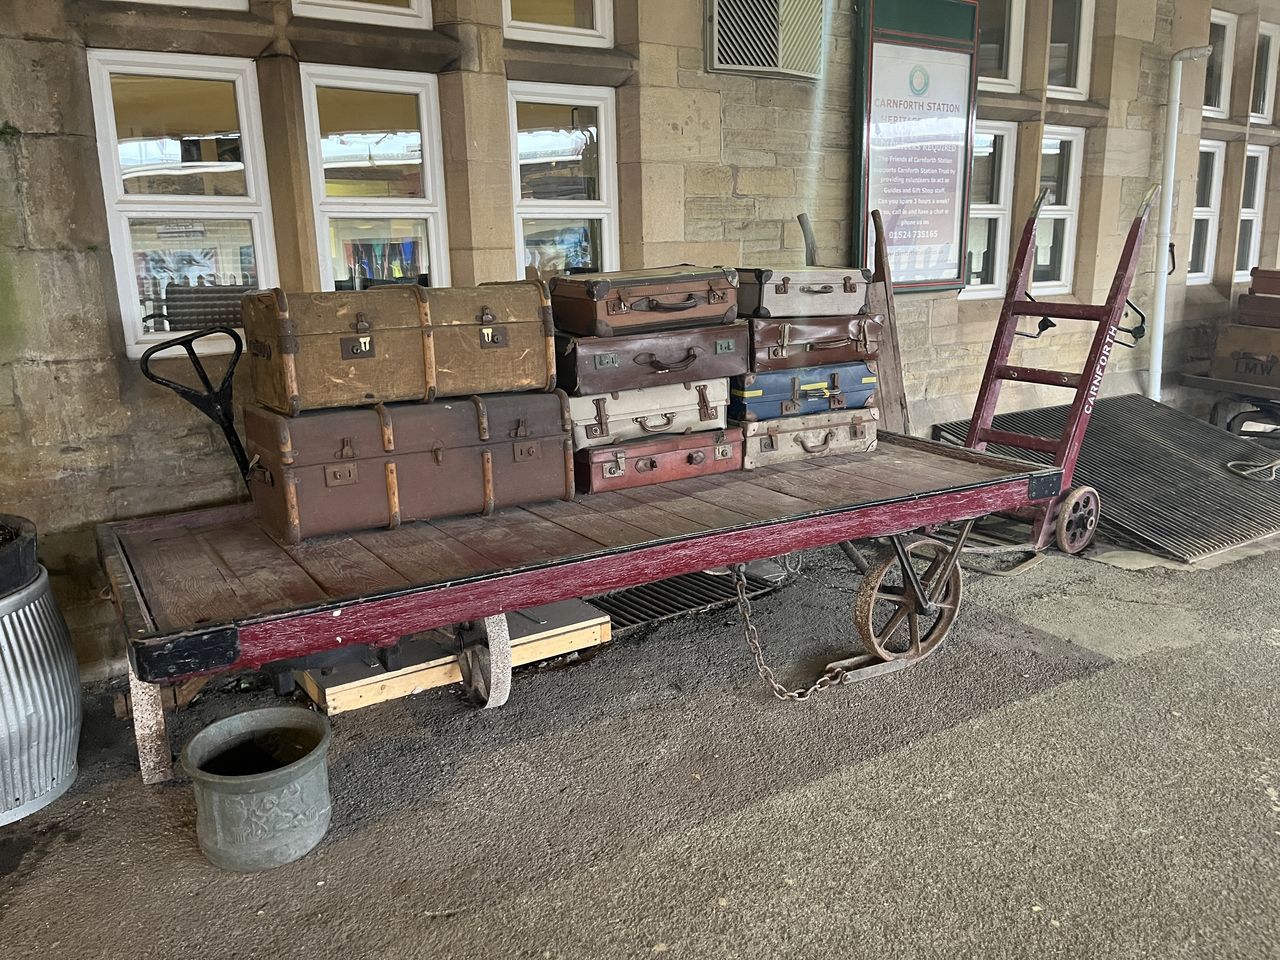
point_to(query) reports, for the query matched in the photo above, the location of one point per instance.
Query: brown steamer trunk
(312, 351)
(494, 338)
(1247, 354)
(813, 341)
(660, 298)
(345, 470)
(1258, 311)
(1264, 281)
(587, 365)
(660, 460)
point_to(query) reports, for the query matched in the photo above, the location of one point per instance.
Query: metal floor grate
(1160, 474)
(674, 597)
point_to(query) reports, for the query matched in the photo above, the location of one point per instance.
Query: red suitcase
(639, 463)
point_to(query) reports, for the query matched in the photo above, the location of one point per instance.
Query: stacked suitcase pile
(1248, 348)
(378, 407)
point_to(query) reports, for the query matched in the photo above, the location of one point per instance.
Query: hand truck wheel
(1077, 523)
(887, 614)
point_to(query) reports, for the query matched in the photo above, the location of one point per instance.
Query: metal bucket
(39, 701)
(262, 787)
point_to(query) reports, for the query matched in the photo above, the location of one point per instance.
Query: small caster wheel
(887, 617)
(1078, 519)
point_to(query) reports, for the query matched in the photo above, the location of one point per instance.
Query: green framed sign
(916, 82)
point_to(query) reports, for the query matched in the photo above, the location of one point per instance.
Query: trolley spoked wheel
(893, 621)
(1078, 515)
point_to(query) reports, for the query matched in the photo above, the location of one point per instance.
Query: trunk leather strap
(486, 464)
(388, 431)
(393, 496)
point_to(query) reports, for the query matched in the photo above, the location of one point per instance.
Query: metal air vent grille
(775, 37)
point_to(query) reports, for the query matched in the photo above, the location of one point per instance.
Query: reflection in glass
(993, 38)
(371, 251)
(1261, 69)
(980, 267)
(1244, 247)
(370, 143)
(1204, 179)
(1199, 247)
(178, 136)
(559, 151)
(1051, 236)
(1213, 71)
(1055, 169)
(191, 272)
(1251, 164)
(562, 246)
(988, 148)
(1064, 43)
(555, 13)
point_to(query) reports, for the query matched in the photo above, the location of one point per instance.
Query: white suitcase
(606, 418)
(802, 438)
(802, 292)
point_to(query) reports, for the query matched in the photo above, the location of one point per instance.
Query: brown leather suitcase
(312, 351)
(802, 291)
(586, 365)
(338, 471)
(658, 460)
(1258, 311)
(1265, 282)
(494, 338)
(660, 298)
(813, 341)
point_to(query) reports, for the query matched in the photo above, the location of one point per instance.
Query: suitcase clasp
(769, 442)
(524, 452)
(698, 458)
(617, 467)
(784, 287)
(347, 451)
(361, 324)
(723, 452)
(520, 430)
(600, 427)
(437, 451)
(705, 412)
(716, 296)
(848, 285)
(645, 464)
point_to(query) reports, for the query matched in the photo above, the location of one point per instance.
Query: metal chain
(833, 676)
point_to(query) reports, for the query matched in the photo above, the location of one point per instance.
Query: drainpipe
(1165, 230)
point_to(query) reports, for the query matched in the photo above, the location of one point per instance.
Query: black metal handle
(1138, 330)
(660, 367)
(214, 402)
(1173, 260)
(688, 303)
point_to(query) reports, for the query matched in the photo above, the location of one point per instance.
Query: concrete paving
(1090, 768)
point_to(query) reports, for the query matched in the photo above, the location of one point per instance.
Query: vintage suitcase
(337, 471)
(1266, 282)
(311, 351)
(494, 338)
(1248, 354)
(802, 291)
(638, 463)
(789, 393)
(604, 364)
(799, 438)
(607, 418)
(660, 298)
(808, 342)
(1258, 310)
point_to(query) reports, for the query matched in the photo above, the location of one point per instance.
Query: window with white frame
(377, 176)
(583, 23)
(990, 208)
(1265, 60)
(1070, 48)
(184, 176)
(413, 14)
(1218, 69)
(564, 156)
(1204, 216)
(1249, 242)
(1061, 159)
(1000, 28)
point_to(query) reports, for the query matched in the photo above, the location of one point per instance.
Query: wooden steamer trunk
(631, 414)
(586, 365)
(640, 463)
(494, 338)
(612, 304)
(802, 292)
(1247, 354)
(787, 344)
(801, 438)
(789, 393)
(345, 470)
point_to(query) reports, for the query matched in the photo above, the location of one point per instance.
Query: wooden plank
(605, 528)
(822, 492)
(670, 498)
(515, 537)
(344, 567)
(422, 554)
(264, 577)
(182, 585)
(747, 497)
(657, 523)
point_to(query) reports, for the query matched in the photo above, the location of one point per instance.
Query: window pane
(1064, 43)
(985, 184)
(1199, 247)
(1261, 66)
(1244, 247)
(1204, 179)
(981, 264)
(993, 38)
(1250, 199)
(555, 13)
(562, 246)
(370, 251)
(559, 151)
(1051, 235)
(370, 143)
(176, 135)
(191, 273)
(1213, 71)
(1055, 170)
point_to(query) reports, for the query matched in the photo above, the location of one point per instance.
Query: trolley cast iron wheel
(888, 615)
(1078, 519)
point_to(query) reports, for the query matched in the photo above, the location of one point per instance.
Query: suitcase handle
(822, 447)
(653, 303)
(825, 288)
(667, 420)
(833, 344)
(214, 402)
(660, 367)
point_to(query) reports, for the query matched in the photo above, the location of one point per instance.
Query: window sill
(564, 63)
(1051, 289)
(1215, 128)
(980, 293)
(1075, 113)
(1002, 105)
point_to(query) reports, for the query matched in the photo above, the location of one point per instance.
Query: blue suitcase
(792, 393)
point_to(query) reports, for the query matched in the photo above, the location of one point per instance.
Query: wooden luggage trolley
(209, 591)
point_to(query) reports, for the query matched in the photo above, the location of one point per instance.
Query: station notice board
(917, 91)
